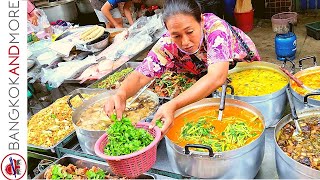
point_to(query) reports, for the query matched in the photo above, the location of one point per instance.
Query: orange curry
(311, 80)
(200, 126)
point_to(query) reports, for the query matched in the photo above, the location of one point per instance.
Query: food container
(287, 167)
(273, 105)
(82, 162)
(71, 135)
(305, 101)
(280, 22)
(88, 138)
(240, 163)
(99, 44)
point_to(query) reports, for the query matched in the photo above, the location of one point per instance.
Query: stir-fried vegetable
(172, 84)
(114, 80)
(99, 174)
(58, 173)
(124, 138)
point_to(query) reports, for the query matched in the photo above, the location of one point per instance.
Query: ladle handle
(305, 58)
(305, 98)
(299, 83)
(71, 97)
(292, 107)
(223, 96)
(200, 146)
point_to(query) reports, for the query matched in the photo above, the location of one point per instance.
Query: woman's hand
(165, 114)
(34, 20)
(117, 104)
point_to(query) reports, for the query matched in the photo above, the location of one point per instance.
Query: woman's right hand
(115, 104)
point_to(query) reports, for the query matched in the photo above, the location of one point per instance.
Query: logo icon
(13, 166)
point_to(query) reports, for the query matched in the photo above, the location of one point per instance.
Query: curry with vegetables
(53, 123)
(238, 128)
(114, 81)
(256, 82)
(311, 80)
(305, 147)
(95, 118)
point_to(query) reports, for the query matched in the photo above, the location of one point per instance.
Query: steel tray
(71, 135)
(82, 162)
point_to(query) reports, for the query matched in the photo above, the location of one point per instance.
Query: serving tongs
(222, 100)
(139, 93)
(295, 79)
(294, 115)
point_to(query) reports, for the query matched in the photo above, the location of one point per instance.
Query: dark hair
(187, 7)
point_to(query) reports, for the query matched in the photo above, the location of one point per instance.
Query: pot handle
(305, 98)
(187, 151)
(293, 67)
(71, 97)
(305, 58)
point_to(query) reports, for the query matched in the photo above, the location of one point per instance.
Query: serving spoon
(294, 115)
(222, 100)
(139, 93)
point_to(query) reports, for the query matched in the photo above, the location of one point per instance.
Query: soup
(256, 82)
(94, 118)
(238, 128)
(311, 80)
(304, 148)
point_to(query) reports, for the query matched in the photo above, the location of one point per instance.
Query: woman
(111, 12)
(202, 44)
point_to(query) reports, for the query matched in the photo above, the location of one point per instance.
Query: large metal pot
(272, 106)
(303, 101)
(287, 167)
(84, 6)
(88, 138)
(241, 163)
(65, 10)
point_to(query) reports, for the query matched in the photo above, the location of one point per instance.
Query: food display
(71, 171)
(94, 118)
(52, 124)
(238, 128)
(256, 82)
(311, 80)
(92, 33)
(114, 81)
(304, 148)
(172, 84)
(124, 138)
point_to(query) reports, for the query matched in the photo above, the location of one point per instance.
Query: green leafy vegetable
(159, 123)
(57, 173)
(100, 174)
(111, 80)
(124, 138)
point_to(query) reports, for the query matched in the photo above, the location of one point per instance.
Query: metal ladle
(139, 93)
(222, 100)
(294, 115)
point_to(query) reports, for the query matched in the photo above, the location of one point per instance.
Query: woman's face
(185, 32)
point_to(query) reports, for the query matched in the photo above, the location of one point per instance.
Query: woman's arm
(106, 8)
(127, 12)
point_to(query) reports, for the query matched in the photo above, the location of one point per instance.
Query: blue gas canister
(286, 45)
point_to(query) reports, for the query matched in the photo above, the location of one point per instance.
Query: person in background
(201, 44)
(111, 11)
(32, 13)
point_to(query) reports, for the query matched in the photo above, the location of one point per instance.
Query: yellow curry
(238, 128)
(311, 80)
(256, 82)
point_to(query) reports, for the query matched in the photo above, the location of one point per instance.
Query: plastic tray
(82, 162)
(313, 30)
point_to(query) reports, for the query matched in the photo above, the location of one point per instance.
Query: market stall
(74, 138)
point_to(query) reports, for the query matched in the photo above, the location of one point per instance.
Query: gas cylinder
(286, 45)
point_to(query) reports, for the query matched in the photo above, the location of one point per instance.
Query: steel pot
(301, 101)
(272, 106)
(241, 163)
(88, 138)
(287, 167)
(65, 10)
(84, 6)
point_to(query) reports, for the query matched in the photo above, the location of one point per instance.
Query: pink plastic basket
(134, 164)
